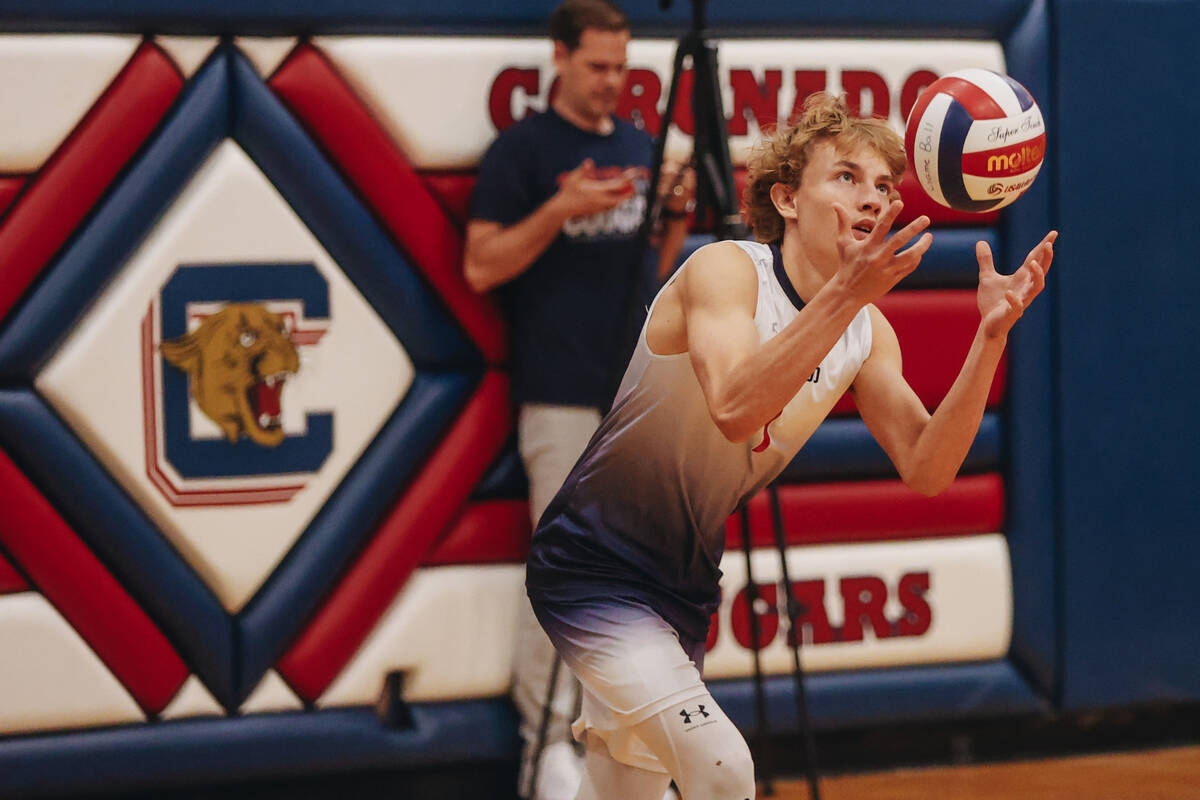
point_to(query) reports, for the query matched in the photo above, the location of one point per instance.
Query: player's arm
(747, 384)
(928, 450)
(497, 253)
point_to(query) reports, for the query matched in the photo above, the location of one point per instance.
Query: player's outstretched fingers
(1037, 281)
(883, 225)
(910, 259)
(1015, 307)
(1043, 251)
(1047, 255)
(983, 254)
(920, 247)
(903, 236)
(843, 220)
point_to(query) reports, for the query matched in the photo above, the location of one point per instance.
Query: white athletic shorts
(632, 665)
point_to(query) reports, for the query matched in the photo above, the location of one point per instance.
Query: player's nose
(870, 200)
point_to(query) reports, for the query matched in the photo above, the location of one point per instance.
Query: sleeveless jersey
(642, 514)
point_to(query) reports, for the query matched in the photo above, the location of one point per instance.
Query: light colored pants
(550, 439)
(694, 741)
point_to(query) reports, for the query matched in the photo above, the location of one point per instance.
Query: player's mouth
(862, 229)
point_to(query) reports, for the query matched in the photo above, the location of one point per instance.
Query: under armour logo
(687, 715)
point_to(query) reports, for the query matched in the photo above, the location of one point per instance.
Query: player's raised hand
(872, 262)
(1004, 298)
(581, 192)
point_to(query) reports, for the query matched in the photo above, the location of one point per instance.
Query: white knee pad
(702, 749)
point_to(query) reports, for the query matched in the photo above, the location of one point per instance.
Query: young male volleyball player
(743, 354)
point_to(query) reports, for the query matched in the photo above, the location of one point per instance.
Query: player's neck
(807, 279)
(601, 124)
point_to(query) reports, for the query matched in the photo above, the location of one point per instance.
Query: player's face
(592, 76)
(858, 179)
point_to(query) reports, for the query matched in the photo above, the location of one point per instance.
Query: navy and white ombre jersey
(641, 518)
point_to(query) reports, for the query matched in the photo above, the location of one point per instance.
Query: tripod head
(715, 191)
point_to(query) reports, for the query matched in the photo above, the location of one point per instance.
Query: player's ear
(784, 199)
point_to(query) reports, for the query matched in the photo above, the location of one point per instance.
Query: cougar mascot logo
(238, 360)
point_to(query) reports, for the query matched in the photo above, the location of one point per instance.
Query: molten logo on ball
(969, 129)
(1019, 161)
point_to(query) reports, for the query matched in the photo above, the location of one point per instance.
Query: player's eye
(845, 176)
(247, 339)
(884, 188)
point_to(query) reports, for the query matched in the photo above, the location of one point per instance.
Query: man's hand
(676, 187)
(581, 193)
(496, 253)
(871, 266)
(1004, 298)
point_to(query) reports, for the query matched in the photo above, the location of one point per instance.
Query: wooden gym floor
(1163, 774)
(1149, 753)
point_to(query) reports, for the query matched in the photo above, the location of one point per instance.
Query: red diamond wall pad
(377, 168)
(487, 532)
(412, 529)
(75, 177)
(10, 186)
(86, 594)
(10, 580)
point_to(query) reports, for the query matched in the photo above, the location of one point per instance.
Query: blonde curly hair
(780, 157)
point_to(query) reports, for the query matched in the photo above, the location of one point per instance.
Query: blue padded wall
(1129, 281)
(1031, 525)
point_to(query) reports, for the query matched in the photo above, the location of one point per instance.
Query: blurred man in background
(554, 222)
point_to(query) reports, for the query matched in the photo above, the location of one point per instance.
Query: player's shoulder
(728, 257)
(879, 322)
(718, 269)
(884, 344)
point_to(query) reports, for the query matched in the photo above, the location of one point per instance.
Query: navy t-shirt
(568, 312)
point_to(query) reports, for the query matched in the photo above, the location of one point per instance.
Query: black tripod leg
(761, 728)
(713, 165)
(543, 729)
(660, 148)
(794, 614)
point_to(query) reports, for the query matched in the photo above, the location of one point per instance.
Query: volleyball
(975, 140)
